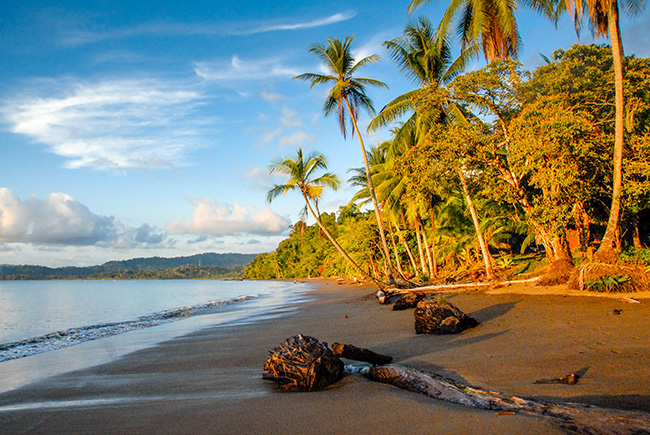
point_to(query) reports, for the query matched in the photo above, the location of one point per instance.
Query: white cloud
(61, 220)
(270, 135)
(128, 124)
(214, 219)
(71, 33)
(296, 139)
(272, 98)
(290, 118)
(237, 69)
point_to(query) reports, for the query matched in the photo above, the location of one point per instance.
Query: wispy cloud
(237, 69)
(60, 220)
(272, 98)
(128, 124)
(214, 219)
(296, 139)
(73, 35)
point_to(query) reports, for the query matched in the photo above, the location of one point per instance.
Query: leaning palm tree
(301, 177)
(345, 98)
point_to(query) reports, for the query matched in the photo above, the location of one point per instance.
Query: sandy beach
(210, 381)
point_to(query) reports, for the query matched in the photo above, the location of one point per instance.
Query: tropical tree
(428, 62)
(489, 25)
(345, 99)
(301, 172)
(603, 18)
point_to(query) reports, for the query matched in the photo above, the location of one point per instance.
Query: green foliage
(636, 255)
(607, 284)
(209, 265)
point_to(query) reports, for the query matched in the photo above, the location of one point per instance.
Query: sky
(138, 129)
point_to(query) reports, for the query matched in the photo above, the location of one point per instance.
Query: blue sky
(146, 128)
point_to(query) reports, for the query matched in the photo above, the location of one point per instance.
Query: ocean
(40, 317)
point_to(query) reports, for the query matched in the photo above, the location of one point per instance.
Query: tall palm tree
(301, 177)
(488, 23)
(425, 58)
(604, 20)
(345, 98)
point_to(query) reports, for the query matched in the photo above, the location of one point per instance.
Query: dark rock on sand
(441, 318)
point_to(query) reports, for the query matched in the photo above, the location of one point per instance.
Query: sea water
(52, 327)
(40, 316)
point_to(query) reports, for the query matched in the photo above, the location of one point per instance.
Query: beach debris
(407, 300)
(570, 379)
(303, 363)
(349, 351)
(574, 418)
(616, 312)
(432, 317)
(629, 300)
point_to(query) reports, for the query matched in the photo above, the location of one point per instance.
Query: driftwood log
(302, 363)
(349, 351)
(441, 318)
(575, 418)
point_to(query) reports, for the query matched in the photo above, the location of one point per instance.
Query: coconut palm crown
(338, 60)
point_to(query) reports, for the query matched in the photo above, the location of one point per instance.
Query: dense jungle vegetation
(496, 169)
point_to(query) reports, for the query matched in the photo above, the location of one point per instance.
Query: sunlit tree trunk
(485, 252)
(371, 189)
(335, 243)
(402, 240)
(605, 251)
(423, 264)
(398, 263)
(433, 243)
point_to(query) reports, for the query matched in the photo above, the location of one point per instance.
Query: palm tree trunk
(605, 251)
(487, 257)
(420, 251)
(392, 239)
(371, 189)
(402, 239)
(337, 246)
(433, 243)
(427, 250)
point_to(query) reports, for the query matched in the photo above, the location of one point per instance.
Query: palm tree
(490, 23)
(425, 58)
(301, 172)
(494, 24)
(344, 99)
(604, 20)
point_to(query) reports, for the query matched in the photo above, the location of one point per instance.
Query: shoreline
(212, 378)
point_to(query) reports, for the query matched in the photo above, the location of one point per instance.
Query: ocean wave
(73, 336)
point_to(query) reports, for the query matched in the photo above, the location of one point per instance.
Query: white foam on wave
(73, 336)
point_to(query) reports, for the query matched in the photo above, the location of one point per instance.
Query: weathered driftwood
(575, 418)
(432, 317)
(349, 351)
(407, 300)
(467, 285)
(570, 379)
(303, 363)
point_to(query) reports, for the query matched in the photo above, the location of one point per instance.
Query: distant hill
(208, 265)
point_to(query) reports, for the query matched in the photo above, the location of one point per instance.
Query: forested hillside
(209, 265)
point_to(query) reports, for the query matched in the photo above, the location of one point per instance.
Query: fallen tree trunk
(575, 418)
(465, 285)
(350, 351)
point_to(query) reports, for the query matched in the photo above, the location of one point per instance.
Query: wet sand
(210, 381)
